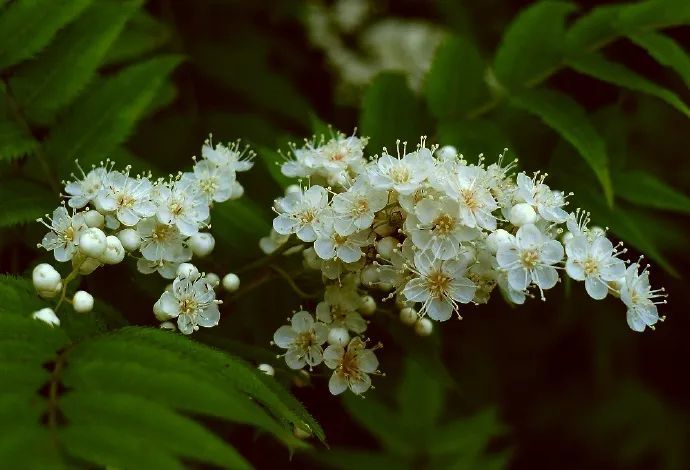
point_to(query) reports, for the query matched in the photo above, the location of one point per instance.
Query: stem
(268, 259)
(291, 283)
(70, 277)
(55, 377)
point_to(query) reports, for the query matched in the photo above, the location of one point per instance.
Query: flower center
(188, 305)
(336, 157)
(349, 366)
(361, 206)
(437, 283)
(591, 267)
(176, 208)
(305, 340)
(125, 200)
(529, 258)
(400, 174)
(444, 224)
(161, 232)
(208, 185)
(338, 239)
(307, 216)
(69, 233)
(469, 198)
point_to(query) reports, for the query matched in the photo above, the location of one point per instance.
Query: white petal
(302, 322)
(337, 384)
(439, 310)
(596, 288)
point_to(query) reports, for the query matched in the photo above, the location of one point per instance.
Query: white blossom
(595, 262)
(351, 367)
(129, 198)
(298, 212)
(65, 231)
(302, 339)
(641, 300)
(192, 301)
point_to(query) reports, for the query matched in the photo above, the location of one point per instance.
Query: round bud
(496, 239)
(231, 282)
(168, 325)
(338, 337)
(46, 315)
(94, 219)
(383, 229)
(368, 306)
(213, 279)
(567, 237)
(447, 152)
(130, 239)
(370, 275)
(114, 252)
(293, 189)
(522, 214)
(92, 242)
(408, 316)
(45, 277)
(82, 301)
(423, 327)
(237, 190)
(385, 247)
(187, 270)
(202, 244)
(267, 369)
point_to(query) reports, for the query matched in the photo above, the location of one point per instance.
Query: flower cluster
(109, 214)
(436, 233)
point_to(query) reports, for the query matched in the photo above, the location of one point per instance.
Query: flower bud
(338, 337)
(45, 277)
(370, 275)
(187, 270)
(92, 242)
(94, 219)
(46, 315)
(267, 369)
(293, 188)
(202, 244)
(231, 282)
(168, 325)
(237, 190)
(522, 214)
(385, 247)
(48, 293)
(408, 316)
(496, 239)
(114, 252)
(368, 306)
(423, 327)
(213, 279)
(447, 152)
(82, 301)
(130, 239)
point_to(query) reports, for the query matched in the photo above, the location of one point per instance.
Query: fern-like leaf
(23, 201)
(666, 51)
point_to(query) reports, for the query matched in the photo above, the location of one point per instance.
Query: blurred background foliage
(596, 94)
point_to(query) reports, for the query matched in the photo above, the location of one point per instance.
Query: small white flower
(354, 209)
(351, 367)
(129, 198)
(272, 242)
(640, 298)
(439, 286)
(83, 191)
(549, 204)
(192, 301)
(214, 182)
(299, 212)
(63, 238)
(466, 185)
(338, 311)
(229, 156)
(529, 257)
(595, 262)
(404, 175)
(167, 269)
(302, 339)
(330, 244)
(160, 241)
(182, 204)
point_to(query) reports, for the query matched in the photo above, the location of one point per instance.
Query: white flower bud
(447, 152)
(168, 325)
(92, 242)
(408, 316)
(293, 188)
(46, 315)
(522, 214)
(187, 270)
(45, 277)
(368, 306)
(94, 219)
(48, 293)
(231, 282)
(130, 239)
(114, 252)
(370, 275)
(82, 301)
(237, 190)
(160, 314)
(338, 337)
(385, 247)
(213, 279)
(496, 239)
(202, 244)
(423, 327)
(266, 369)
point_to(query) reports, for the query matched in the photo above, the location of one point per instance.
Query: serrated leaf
(647, 190)
(23, 201)
(533, 44)
(54, 78)
(105, 116)
(567, 118)
(455, 82)
(598, 67)
(29, 25)
(390, 111)
(143, 34)
(666, 51)
(14, 141)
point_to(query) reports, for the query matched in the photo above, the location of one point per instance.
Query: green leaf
(473, 137)
(105, 116)
(666, 51)
(455, 82)
(143, 34)
(598, 67)
(237, 221)
(273, 160)
(23, 201)
(60, 72)
(644, 189)
(14, 141)
(533, 44)
(420, 397)
(567, 118)
(29, 25)
(390, 111)
(467, 436)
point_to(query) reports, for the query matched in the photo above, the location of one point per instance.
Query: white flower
(298, 212)
(439, 286)
(229, 156)
(339, 307)
(162, 242)
(272, 242)
(595, 262)
(182, 204)
(640, 298)
(330, 244)
(466, 185)
(528, 257)
(82, 192)
(355, 208)
(302, 339)
(549, 204)
(129, 198)
(46, 315)
(63, 238)
(167, 269)
(192, 301)
(215, 182)
(351, 367)
(404, 175)
(437, 228)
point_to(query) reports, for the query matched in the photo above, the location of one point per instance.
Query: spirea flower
(303, 339)
(351, 367)
(65, 230)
